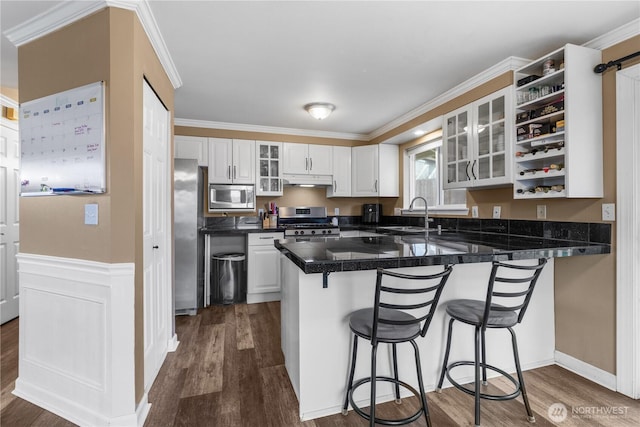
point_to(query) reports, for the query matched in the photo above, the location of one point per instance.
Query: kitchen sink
(404, 228)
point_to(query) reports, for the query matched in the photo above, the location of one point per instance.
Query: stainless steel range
(307, 222)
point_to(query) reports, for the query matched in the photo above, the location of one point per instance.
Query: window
(424, 178)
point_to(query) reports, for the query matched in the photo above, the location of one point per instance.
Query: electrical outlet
(474, 211)
(541, 211)
(496, 212)
(608, 211)
(91, 214)
(336, 211)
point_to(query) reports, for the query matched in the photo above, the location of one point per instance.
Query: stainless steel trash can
(228, 278)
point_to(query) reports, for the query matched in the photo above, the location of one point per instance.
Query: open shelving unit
(558, 126)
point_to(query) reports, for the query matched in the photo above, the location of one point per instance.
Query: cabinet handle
(234, 172)
(375, 186)
(266, 238)
(229, 171)
(310, 164)
(155, 247)
(335, 186)
(466, 170)
(306, 164)
(472, 171)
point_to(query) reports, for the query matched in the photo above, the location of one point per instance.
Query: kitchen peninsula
(324, 280)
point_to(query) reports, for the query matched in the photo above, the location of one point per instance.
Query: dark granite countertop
(410, 250)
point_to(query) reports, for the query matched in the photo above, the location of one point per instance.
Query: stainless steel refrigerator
(188, 241)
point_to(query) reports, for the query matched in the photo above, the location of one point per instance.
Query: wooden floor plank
(204, 376)
(244, 336)
(266, 337)
(199, 411)
(230, 409)
(187, 328)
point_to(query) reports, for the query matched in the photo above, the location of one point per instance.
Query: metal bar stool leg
(351, 372)
(516, 357)
(446, 358)
(395, 372)
(477, 377)
(423, 395)
(484, 359)
(372, 407)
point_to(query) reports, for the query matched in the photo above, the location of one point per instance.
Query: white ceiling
(258, 63)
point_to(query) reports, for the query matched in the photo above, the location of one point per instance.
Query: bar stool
(488, 314)
(390, 321)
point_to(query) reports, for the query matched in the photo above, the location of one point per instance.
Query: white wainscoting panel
(77, 340)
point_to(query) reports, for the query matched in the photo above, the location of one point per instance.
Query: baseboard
(173, 343)
(266, 297)
(585, 370)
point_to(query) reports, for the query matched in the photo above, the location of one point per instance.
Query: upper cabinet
(341, 185)
(269, 168)
(191, 147)
(231, 161)
(368, 178)
(311, 159)
(478, 142)
(559, 126)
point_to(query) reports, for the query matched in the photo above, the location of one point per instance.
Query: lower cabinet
(263, 267)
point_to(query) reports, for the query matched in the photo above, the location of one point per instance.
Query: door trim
(627, 231)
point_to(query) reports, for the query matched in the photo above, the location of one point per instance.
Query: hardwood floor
(229, 371)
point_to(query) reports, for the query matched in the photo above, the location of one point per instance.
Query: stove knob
(301, 231)
(295, 232)
(328, 231)
(324, 231)
(313, 231)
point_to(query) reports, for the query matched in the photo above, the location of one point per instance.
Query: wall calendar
(63, 143)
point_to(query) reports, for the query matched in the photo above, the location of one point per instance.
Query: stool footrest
(487, 396)
(384, 421)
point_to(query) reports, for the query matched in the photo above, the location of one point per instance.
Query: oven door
(231, 197)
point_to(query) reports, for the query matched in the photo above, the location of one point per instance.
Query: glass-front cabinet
(477, 142)
(269, 168)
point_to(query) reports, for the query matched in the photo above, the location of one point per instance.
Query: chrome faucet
(426, 213)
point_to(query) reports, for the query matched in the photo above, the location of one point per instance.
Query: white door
(220, 158)
(364, 177)
(244, 161)
(156, 229)
(320, 159)
(9, 219)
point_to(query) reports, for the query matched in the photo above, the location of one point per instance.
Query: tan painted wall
(110, 46)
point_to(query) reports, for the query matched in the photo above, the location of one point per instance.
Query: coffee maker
(371, 213)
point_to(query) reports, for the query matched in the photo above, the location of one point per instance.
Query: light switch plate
(474, 211)
(608, 211)
(541, 211)
(496, 212)
(336, 211)
(91, 214)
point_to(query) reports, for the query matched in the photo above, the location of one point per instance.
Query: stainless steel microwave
(231, 197)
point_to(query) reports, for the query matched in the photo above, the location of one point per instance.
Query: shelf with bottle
(541, 169)
(540, 191)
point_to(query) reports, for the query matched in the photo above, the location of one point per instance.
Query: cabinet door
(220, 156)
(341, 173)
(296, 158)
(493, 121)
(269, 168)
(191, 147)
(458, 148)
(320, 159)
(389, 175)
(244, 164)
(264, 271)
(364, 176)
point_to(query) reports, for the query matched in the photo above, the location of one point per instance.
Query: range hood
(318, 180)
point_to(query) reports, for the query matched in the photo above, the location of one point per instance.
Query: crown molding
(68, 12)
(510, 64)
(268, 129)
(8, 102)
(616, 36)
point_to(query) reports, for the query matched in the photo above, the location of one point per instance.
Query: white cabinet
(558, 119)
(263, 267)
(478, 142)
(368, 178)
(191, 147)
(341, 186)
(269, 168)
(301, 159)
(231, 161)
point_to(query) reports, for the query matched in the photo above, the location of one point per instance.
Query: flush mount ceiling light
(319, 110)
